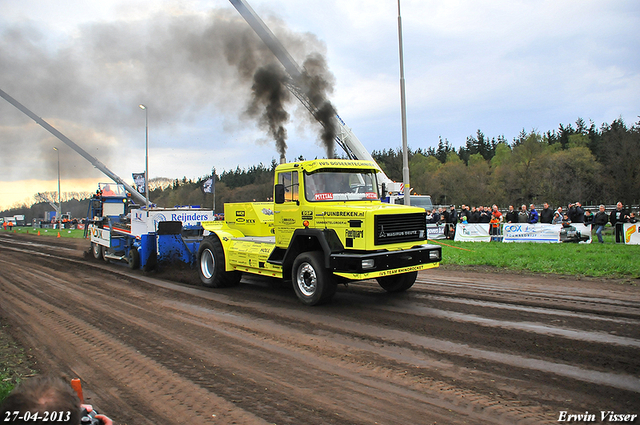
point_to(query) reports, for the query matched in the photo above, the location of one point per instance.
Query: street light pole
(405, 153)
(59, 193)
(146, 157)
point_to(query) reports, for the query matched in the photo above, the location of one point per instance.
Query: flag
(138, 179)
(209, 186)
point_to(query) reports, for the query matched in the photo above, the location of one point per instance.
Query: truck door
(287, 216)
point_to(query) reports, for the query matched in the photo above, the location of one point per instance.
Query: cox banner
(473, 232)
(523, 232)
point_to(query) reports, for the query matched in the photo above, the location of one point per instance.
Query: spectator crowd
(575, 213)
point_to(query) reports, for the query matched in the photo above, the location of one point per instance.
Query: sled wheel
(96, 250)
(134, 258)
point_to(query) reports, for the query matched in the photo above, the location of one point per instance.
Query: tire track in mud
(585, 300)
(368, 356)
(162, 395)
(234, 389)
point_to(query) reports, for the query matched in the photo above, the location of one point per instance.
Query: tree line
(578, 162)
(240, 185)
(573, 163)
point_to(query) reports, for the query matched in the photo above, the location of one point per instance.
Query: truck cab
(326, 225)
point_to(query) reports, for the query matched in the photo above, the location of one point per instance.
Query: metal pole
(59, 193)
(146, 156)
(405, 151)
(99, 165)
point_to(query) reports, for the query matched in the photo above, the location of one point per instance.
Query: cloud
(183, 65)
(500, 66)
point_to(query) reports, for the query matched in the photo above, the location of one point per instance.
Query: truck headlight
(368, 263)
(434, 255)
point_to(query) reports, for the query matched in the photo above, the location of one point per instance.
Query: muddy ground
(460, 347)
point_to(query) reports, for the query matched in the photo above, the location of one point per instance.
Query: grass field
(601, 260)
(64, 233)
(15, 365)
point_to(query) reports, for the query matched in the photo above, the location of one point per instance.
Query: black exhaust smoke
(182, 66)
(268, 104)
(319, 83)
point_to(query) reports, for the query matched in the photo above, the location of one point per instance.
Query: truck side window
(290, 182)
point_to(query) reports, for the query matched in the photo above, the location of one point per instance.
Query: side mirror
(278, 195)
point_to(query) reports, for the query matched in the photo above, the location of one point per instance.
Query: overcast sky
(499, 66)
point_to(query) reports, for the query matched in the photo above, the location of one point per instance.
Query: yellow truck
(326, 226)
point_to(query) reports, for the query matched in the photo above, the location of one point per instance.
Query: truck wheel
(212, 265)
(134, 259)
(104, 254)
(397, 282)
(312, 282)
(96, 250)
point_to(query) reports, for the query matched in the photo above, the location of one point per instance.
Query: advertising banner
(435, 231)
(632, 234)
(100, 236)
(523, 232)
(209, 185)
(141, 224)
(138, 180)
(584, 231)
(473, 232)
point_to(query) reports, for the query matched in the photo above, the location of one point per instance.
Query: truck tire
(397, 282)
(104, 254)
(211, 265)
(313, 283)
(134, 259)
(96, 250)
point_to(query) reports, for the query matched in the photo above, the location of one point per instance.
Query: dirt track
(458, 348)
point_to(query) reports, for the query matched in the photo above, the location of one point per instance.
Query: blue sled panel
(147, 250)
(172, 249)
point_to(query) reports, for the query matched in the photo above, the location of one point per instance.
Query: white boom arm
(94, 161)
(344, 136)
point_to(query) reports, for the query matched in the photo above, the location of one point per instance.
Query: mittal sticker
(371, 195)
(630, 231)
(323, 196)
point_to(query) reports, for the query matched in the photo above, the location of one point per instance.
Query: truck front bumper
(369, 265)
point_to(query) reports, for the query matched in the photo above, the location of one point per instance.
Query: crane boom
(94, 161)
(345, 137)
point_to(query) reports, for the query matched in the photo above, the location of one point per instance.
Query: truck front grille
(396, 228)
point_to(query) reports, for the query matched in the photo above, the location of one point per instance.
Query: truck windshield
(422, 201)
(112, 189)
(340, 185)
